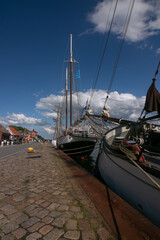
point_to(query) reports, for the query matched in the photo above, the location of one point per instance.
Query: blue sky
(34, 45)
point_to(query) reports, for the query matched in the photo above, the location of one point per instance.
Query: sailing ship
(74, 141)
(129, 159)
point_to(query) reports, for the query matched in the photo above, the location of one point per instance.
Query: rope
(133, 158)
(130, 9)
(95, 127)
(106, 43)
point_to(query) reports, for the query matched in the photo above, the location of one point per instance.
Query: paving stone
(8, 237)
(64, 201)
(54, 234)
(71, 224)
(89, 235)
(3, 221)
(39, 201)
(2, 195)
(34, 236)
(84, 224)
(53, 206)
(54, 214)
(35, 211)
(9, 209)
(63, 208)
(42, 202)
(45, 204)
(103, 233)
(42, 213)
(30, 207)
(45, 229)
(15, 215)
(31, 200)
(22, 219)
(47, 219)
(36, 227)
(18, 198)
(75, 209)
(19, 233)
(9, 227)
(79, 215)
(75, 235)
(30, 222)
(59, 222)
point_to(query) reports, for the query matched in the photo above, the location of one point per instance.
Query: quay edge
(125, 221)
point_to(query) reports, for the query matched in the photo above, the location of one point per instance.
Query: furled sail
(152, 99)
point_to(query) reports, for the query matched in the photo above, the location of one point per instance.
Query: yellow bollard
(30, 150)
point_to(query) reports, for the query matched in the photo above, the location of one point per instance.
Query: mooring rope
(132, 157)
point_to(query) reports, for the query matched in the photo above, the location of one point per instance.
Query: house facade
(4, 134)
(14, 135)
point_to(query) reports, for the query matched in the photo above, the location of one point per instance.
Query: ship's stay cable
(102, 47)
(127, 21)
(75, 82)
(103, 54)
(76, 88)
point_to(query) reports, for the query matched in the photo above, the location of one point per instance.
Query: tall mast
(58, 120)
(71, 77)
(66, 98)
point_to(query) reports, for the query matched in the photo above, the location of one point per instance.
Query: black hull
(78, 149)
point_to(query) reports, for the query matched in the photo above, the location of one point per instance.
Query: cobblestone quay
(40, 199)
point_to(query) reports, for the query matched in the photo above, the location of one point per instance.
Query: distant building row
(9, 134)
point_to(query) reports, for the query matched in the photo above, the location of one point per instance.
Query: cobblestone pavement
(40, 199)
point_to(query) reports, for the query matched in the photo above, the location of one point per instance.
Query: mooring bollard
(30, 150)
(11, 142)
(7, 143)
(2, 143)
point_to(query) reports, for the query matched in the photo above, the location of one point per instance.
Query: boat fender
(135, 147)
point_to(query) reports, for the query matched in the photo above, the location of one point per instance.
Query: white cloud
(123, 105)
(158, 51)
(49, 114)
(48, 103)
(2, 121)
(20, 118)
(49, 130)
(145, 18)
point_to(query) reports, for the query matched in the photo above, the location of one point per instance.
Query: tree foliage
(25, 130)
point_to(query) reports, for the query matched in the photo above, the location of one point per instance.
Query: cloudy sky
(34, 49)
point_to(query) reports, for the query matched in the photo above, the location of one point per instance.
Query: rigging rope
(132, 157)
(106, 43)
(130, 9)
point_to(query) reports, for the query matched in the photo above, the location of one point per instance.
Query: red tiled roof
(14, 131)
(3, 130)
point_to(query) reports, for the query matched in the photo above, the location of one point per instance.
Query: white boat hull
(131, 184)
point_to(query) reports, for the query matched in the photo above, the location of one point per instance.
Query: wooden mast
(66, 98)
(71, 77)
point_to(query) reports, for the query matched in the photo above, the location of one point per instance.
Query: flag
(85, 108)
(78, 74)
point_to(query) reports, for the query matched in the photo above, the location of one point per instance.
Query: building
(14, 135)
(4, 134)
(33, 134)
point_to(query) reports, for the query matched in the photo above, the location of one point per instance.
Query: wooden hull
(76, 146)
(131, 184)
